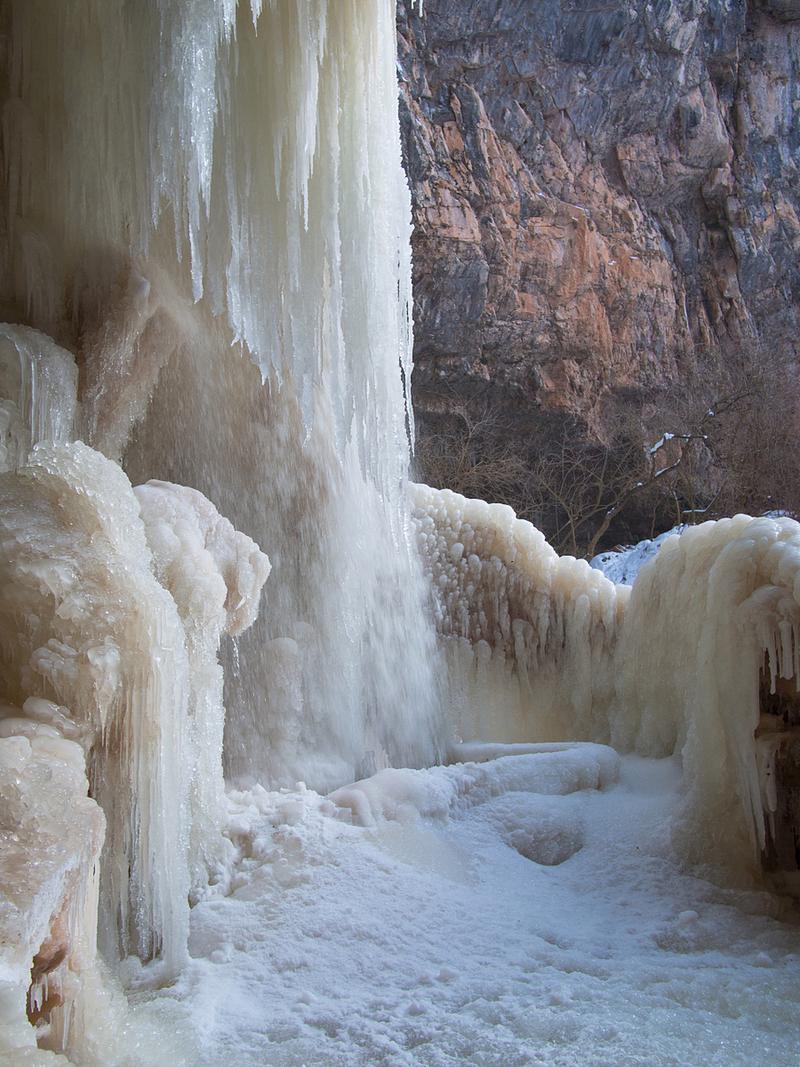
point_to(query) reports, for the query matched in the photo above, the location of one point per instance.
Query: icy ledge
(439, 792)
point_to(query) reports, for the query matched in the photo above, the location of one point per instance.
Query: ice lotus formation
(206, 281)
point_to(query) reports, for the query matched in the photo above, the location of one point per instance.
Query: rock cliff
(606, 197)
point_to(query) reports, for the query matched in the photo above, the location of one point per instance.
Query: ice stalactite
(528, 636)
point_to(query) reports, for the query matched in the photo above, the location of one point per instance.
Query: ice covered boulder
(51, 834)
(215, 575)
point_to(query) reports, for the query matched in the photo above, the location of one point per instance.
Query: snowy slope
(529, 918)
(623, 565)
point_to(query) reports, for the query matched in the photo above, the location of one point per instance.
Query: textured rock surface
(605, 196)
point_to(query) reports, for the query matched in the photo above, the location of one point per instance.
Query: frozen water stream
(435, 941)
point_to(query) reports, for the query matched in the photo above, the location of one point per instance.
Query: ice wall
(226, 249)
(541, 647)
(529, 636)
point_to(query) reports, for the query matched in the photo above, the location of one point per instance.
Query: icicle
(38, 393)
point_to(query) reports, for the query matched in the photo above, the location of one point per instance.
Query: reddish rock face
(605, 200)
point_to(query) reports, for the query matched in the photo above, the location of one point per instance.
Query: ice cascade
(206, 262)
(205, 267)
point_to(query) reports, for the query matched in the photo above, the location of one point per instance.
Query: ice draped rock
(50, 839)
(85, 624)
(215, 575)
(102, 663)
(708, 665)
(528, 636)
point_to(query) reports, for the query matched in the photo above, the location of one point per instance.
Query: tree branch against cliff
(735, 447)
(586, 487)
(472, 453)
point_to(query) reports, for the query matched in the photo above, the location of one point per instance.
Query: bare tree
(727, 441)
(474, 454)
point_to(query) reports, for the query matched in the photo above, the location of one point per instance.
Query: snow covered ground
(527, 917)
(623, 565)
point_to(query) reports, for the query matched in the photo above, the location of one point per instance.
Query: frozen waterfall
(205, 271)
(206, 262)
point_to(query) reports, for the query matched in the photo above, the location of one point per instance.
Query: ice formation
(215, 575)
(205, 205)
(250, 210)
(86, 625)
(50, 839)
(542, 647)
(436, 793)
(711, 630)
(38, 393)
(101, 664)
(529, 637)
(622, 565)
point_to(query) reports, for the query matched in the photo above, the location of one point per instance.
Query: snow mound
(441, 792)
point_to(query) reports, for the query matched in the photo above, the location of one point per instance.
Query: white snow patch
(623, 565)
(331, 949)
